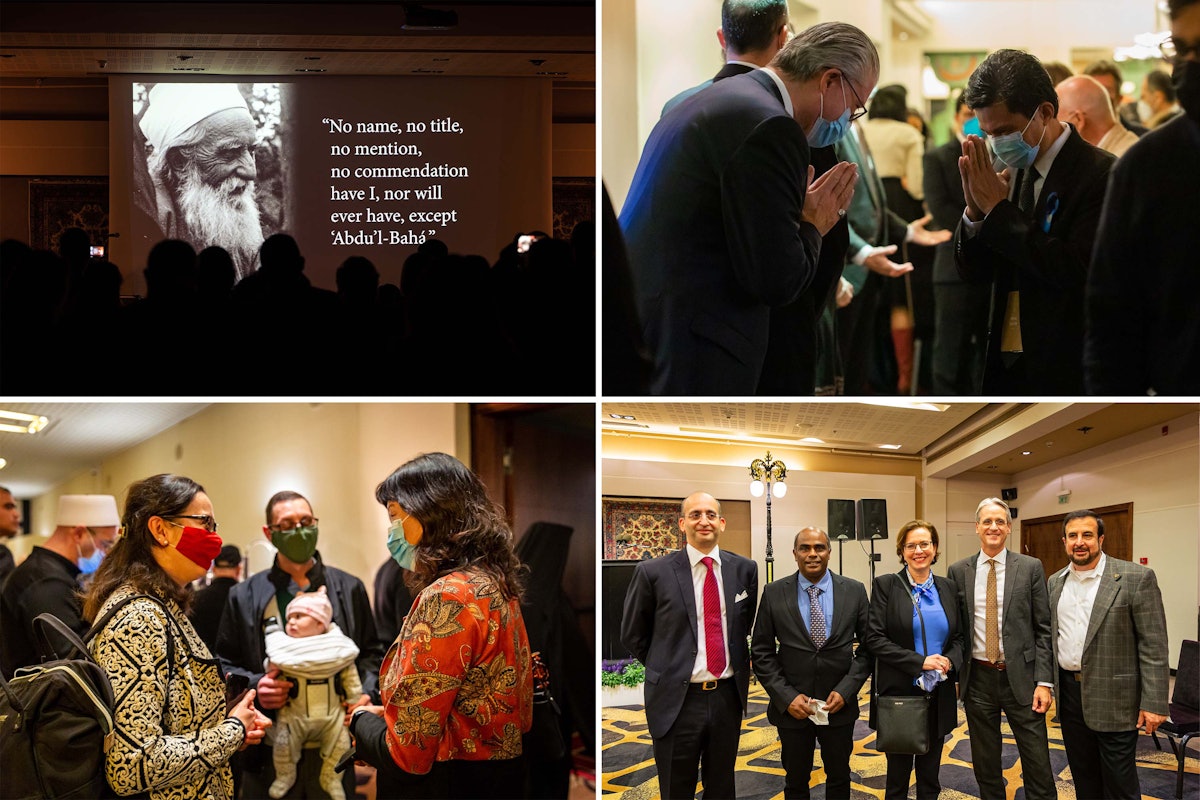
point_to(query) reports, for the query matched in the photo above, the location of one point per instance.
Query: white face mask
(1144, 110)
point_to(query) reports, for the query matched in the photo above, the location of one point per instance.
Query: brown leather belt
(998, 665)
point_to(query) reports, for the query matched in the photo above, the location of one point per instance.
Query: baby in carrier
(317, 657)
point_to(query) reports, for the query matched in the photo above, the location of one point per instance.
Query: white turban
(176, 107)
(88, 510)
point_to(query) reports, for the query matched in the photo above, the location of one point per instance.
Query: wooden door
(1042, 537)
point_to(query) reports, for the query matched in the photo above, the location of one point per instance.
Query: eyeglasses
(1177, 50)
(105, 544)
(912, 547)
(208, 523)
(861, 106)
(287, 524)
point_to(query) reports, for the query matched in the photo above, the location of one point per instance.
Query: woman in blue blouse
(904, 659)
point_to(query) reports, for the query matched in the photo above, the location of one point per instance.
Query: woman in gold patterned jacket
(174, 734)
(457, 685)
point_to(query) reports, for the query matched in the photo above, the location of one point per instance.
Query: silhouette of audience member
(451, 318)
(277, 310)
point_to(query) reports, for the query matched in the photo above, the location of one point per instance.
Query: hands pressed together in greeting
(829, 196)
(982, 187)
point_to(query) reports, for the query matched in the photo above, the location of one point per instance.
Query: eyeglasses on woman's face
(207, 522)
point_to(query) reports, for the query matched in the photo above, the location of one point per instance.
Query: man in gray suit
(803, 654)
(1110, 643)
(1009, 658)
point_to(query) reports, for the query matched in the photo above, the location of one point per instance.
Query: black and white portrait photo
(207, 166)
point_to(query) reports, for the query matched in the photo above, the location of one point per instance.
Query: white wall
(804, 505)
(1048, 29)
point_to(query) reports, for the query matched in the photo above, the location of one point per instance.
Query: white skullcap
(89, 510)
(176, 107)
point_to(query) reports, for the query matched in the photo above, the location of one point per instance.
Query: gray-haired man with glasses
(293, 529)
(1008, 662)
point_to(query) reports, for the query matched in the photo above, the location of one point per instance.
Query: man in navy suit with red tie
(687, 616)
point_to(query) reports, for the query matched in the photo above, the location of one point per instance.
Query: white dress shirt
(787, 98)
(1075, 613)
(979, 618)
(699, 574)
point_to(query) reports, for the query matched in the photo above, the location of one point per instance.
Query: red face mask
(199, 546)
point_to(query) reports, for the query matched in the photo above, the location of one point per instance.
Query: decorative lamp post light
(768, 477)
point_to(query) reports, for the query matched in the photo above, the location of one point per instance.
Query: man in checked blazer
(1017, 676)
(801, 658)
(1110, 643)
(697, 674)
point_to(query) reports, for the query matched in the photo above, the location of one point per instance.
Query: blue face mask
(402, 552)
(825, 133)
(1014, 151)
(971, 127)
(91, 563)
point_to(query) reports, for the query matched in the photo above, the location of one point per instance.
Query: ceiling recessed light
(1026, 452)
(890, 446)
(3, 463)
(812, 440)
(913, 404)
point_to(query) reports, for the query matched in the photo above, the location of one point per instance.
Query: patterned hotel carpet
(628, 761)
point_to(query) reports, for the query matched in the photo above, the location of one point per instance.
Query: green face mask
(296, 545)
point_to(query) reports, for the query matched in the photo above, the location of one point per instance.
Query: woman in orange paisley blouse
(456, 686)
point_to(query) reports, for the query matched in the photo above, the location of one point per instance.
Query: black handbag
(902, 724)
(544, 741)
(902, 721)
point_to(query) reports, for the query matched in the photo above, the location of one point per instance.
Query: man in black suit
(960, 308)
(722, 219)
(1142, 331)
(209, 602)
(686, 618)
(1028, 230)
(803, 654)
(751, 33)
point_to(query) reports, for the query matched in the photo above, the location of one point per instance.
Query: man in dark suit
(1109, 630)
(686, 618)
(751, 33)
(1008, 657)
(722, 221)
(1029, 230)
(209, 602)
(960, 308)
(803, 654)
(1142, 334)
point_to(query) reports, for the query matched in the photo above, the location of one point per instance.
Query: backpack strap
(103, 621)
(46, 647)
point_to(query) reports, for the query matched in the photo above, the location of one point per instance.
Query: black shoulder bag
(902, 724)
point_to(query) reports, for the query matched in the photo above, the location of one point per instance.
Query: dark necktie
(714, 639)
(816, 627)
(1028, 182)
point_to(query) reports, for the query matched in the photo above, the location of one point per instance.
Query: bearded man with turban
(200, 169)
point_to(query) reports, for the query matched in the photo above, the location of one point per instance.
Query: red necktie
(714, 639)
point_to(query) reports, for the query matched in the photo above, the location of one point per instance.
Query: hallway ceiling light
(16, 422)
